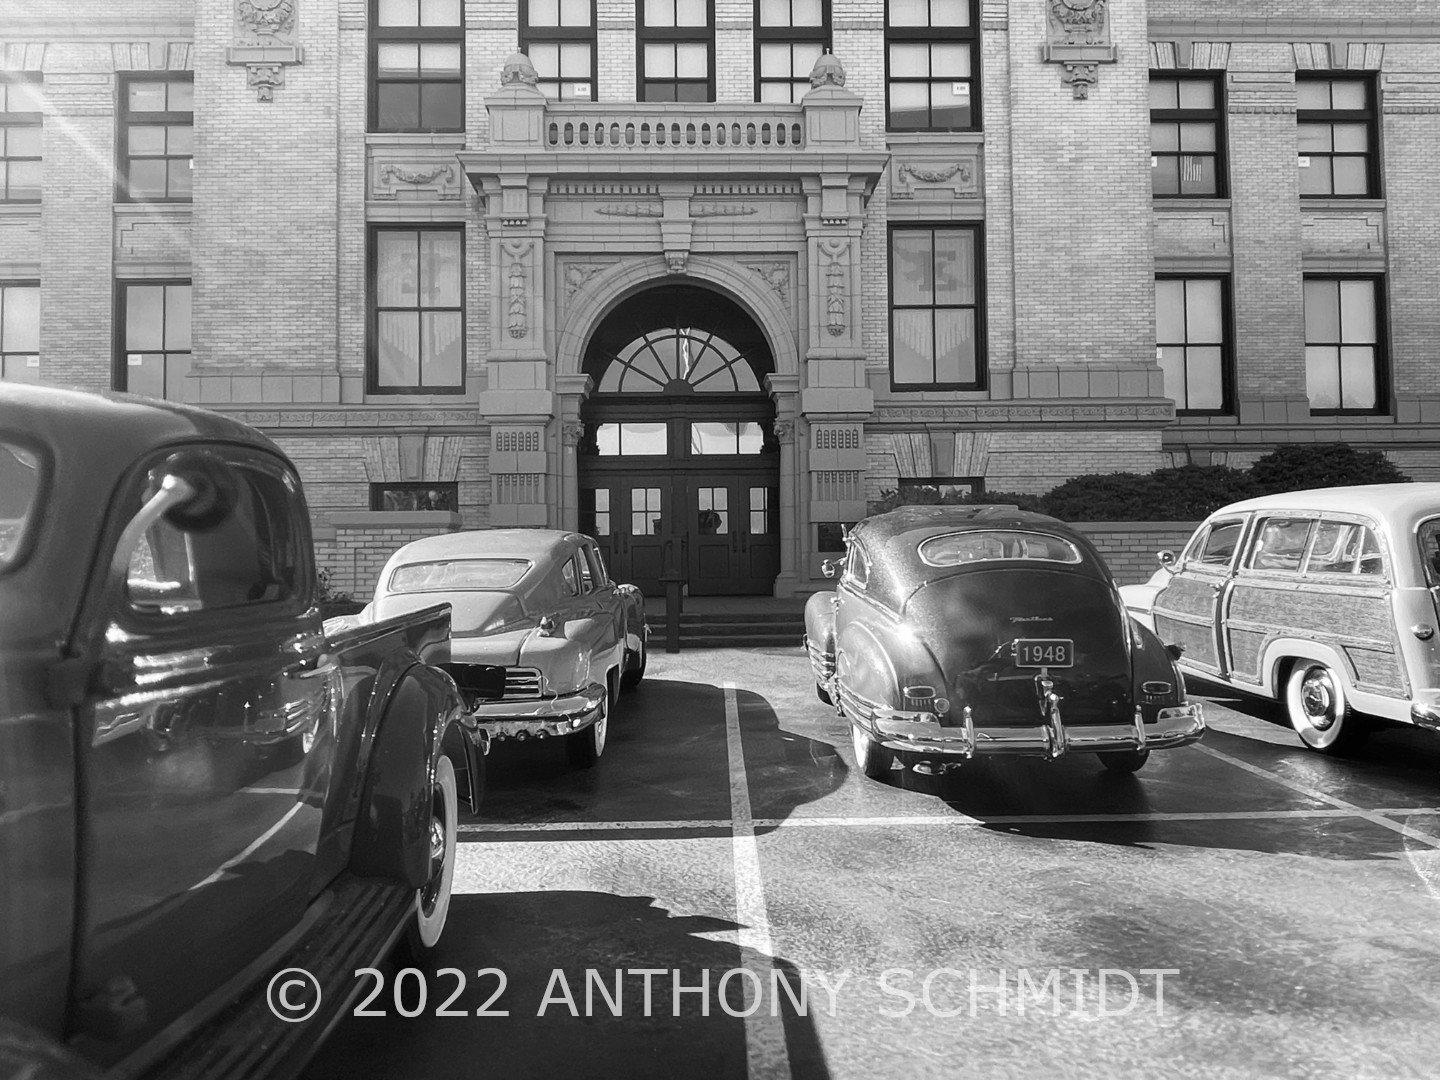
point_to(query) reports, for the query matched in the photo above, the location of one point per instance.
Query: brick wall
(1129, 547)
(356, 548)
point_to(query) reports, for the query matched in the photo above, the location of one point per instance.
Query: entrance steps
(732, 624)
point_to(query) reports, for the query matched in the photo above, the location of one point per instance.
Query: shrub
(930, 496)
(1314, 465)
(332, 601)
(1186, 493)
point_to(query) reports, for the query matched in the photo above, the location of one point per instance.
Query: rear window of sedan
(1008, 545)
(19, 499)
(458, 575)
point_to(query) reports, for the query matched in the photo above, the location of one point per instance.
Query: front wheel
(432, 900)
(874, 760)
(584, 748)
(1319, 711)
(633, 674)
(1124, 761)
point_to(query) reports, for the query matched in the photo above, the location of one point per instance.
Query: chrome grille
(522, 683)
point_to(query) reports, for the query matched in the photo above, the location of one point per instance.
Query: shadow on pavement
(530, 937)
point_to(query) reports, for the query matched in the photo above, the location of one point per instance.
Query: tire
(1319, 711)
(631, 679)
(432, 900)
(872, 759)
(1124, 761)
(583, 748)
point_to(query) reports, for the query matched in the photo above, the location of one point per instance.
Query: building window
(425, 495)
(1344, 344)
(157, 129)
(20, 332)
(559, 38)
(936, 334)
(417, 65)
(790, 35)
(677, 50)
(830, 536)
(154, 321)
(20, 138)
(416, 323)
(931, 65)
(928, 490)
(1192, 341)
(1187, 136)
(1337, 137)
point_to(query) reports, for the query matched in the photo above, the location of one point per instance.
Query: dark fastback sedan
(958, 631)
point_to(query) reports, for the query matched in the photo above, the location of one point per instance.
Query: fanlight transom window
(679, 361)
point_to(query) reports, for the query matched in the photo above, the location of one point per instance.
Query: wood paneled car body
(957, 631)
(1325, 599)
(198, 787)
(542, 640)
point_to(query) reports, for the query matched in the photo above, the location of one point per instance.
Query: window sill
(1341, 202)
(442, 139)
(1191, 202)
(923, 138)
(393, 519)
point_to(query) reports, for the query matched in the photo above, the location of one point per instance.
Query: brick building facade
(990, 241)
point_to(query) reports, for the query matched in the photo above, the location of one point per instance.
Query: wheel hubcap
(601, 723)
(431, 892)
(1317, 697)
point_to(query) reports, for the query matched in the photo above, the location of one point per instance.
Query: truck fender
(421, 719)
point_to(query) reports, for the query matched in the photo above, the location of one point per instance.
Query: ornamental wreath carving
(417, 177)
(266, 18)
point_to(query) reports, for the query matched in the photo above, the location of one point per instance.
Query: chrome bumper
(1425, 709)
(542, 717)
(921, 732)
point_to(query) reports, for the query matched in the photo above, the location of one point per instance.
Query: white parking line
(766, 1053)
(1372, 816)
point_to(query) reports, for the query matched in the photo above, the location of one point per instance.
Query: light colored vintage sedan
(542, 641)
(1327, 600)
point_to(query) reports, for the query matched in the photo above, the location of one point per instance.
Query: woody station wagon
(1326, 600)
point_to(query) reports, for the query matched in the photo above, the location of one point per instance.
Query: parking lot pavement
(1274, 910)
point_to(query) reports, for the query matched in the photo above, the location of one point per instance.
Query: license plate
(1044, 652)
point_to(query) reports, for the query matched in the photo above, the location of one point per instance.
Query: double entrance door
(718, 529)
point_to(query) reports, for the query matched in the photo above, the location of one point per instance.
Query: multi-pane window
(644, 511)
(157, 138)
(1344, 334)
(559, 38)
(20, 332)
(677, 50)
(935, 289)
(595, 511)
(712, 510)
(1187, 136)
(20, 138)
(1190, 339)
(416, 495)
(931, 65)
(416, 322)
(790, 35)
(1337, 136)
(417, 65)
(762, 511)
(155, 338)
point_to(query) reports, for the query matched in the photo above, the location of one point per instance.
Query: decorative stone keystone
(1078, 36)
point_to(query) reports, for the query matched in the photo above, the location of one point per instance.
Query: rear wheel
(432, 900)
(1124, 761)
(1319, 711)
(871, 758)
(584, 748)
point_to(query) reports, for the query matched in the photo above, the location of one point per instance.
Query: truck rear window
(19, 499)
(458, 575)
(997, 545)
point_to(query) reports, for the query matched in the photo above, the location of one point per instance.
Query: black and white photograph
(755, 539)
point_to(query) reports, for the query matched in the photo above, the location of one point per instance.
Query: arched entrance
(678, 465)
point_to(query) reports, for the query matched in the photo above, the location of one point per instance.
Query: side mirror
(830, 567)
(1175, 651)
(1166, 559)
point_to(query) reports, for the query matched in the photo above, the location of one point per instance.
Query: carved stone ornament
(836, 300)
(705, 210)
(264, 78)
(828, 71)
(266, 20)
(677, 261)
(785, 430)
(417, 177)
(631, 209)
(1078, 38)
(777, 276)
(517, 300)
(264, 35)
(577, 274)
(572, 431)
(519, 71)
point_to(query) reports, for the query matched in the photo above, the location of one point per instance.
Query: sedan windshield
(458, 575)
(996, 545)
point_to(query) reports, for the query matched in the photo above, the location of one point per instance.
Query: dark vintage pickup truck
(198, 788)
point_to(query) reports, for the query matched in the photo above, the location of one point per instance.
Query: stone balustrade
(642, 127)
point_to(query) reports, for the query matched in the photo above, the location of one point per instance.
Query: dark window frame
(29, 118)
(565, 35)
(679, 35)
(1215, 116)
(977, 228)
(124, 118)
(1382, 343)
(6, 354)
(420, 35)
(969, 35)
(378, 491)
(823, 35)
(372, 309)
(1227, 342)
(1369, 116)
(120, 367)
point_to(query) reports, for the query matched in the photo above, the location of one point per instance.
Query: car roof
(536, 545)
(1399, 506)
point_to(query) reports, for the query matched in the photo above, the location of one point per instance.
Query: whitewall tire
(1319, 710)
(432, 900)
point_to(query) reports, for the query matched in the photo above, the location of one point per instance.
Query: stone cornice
(1358, 29)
